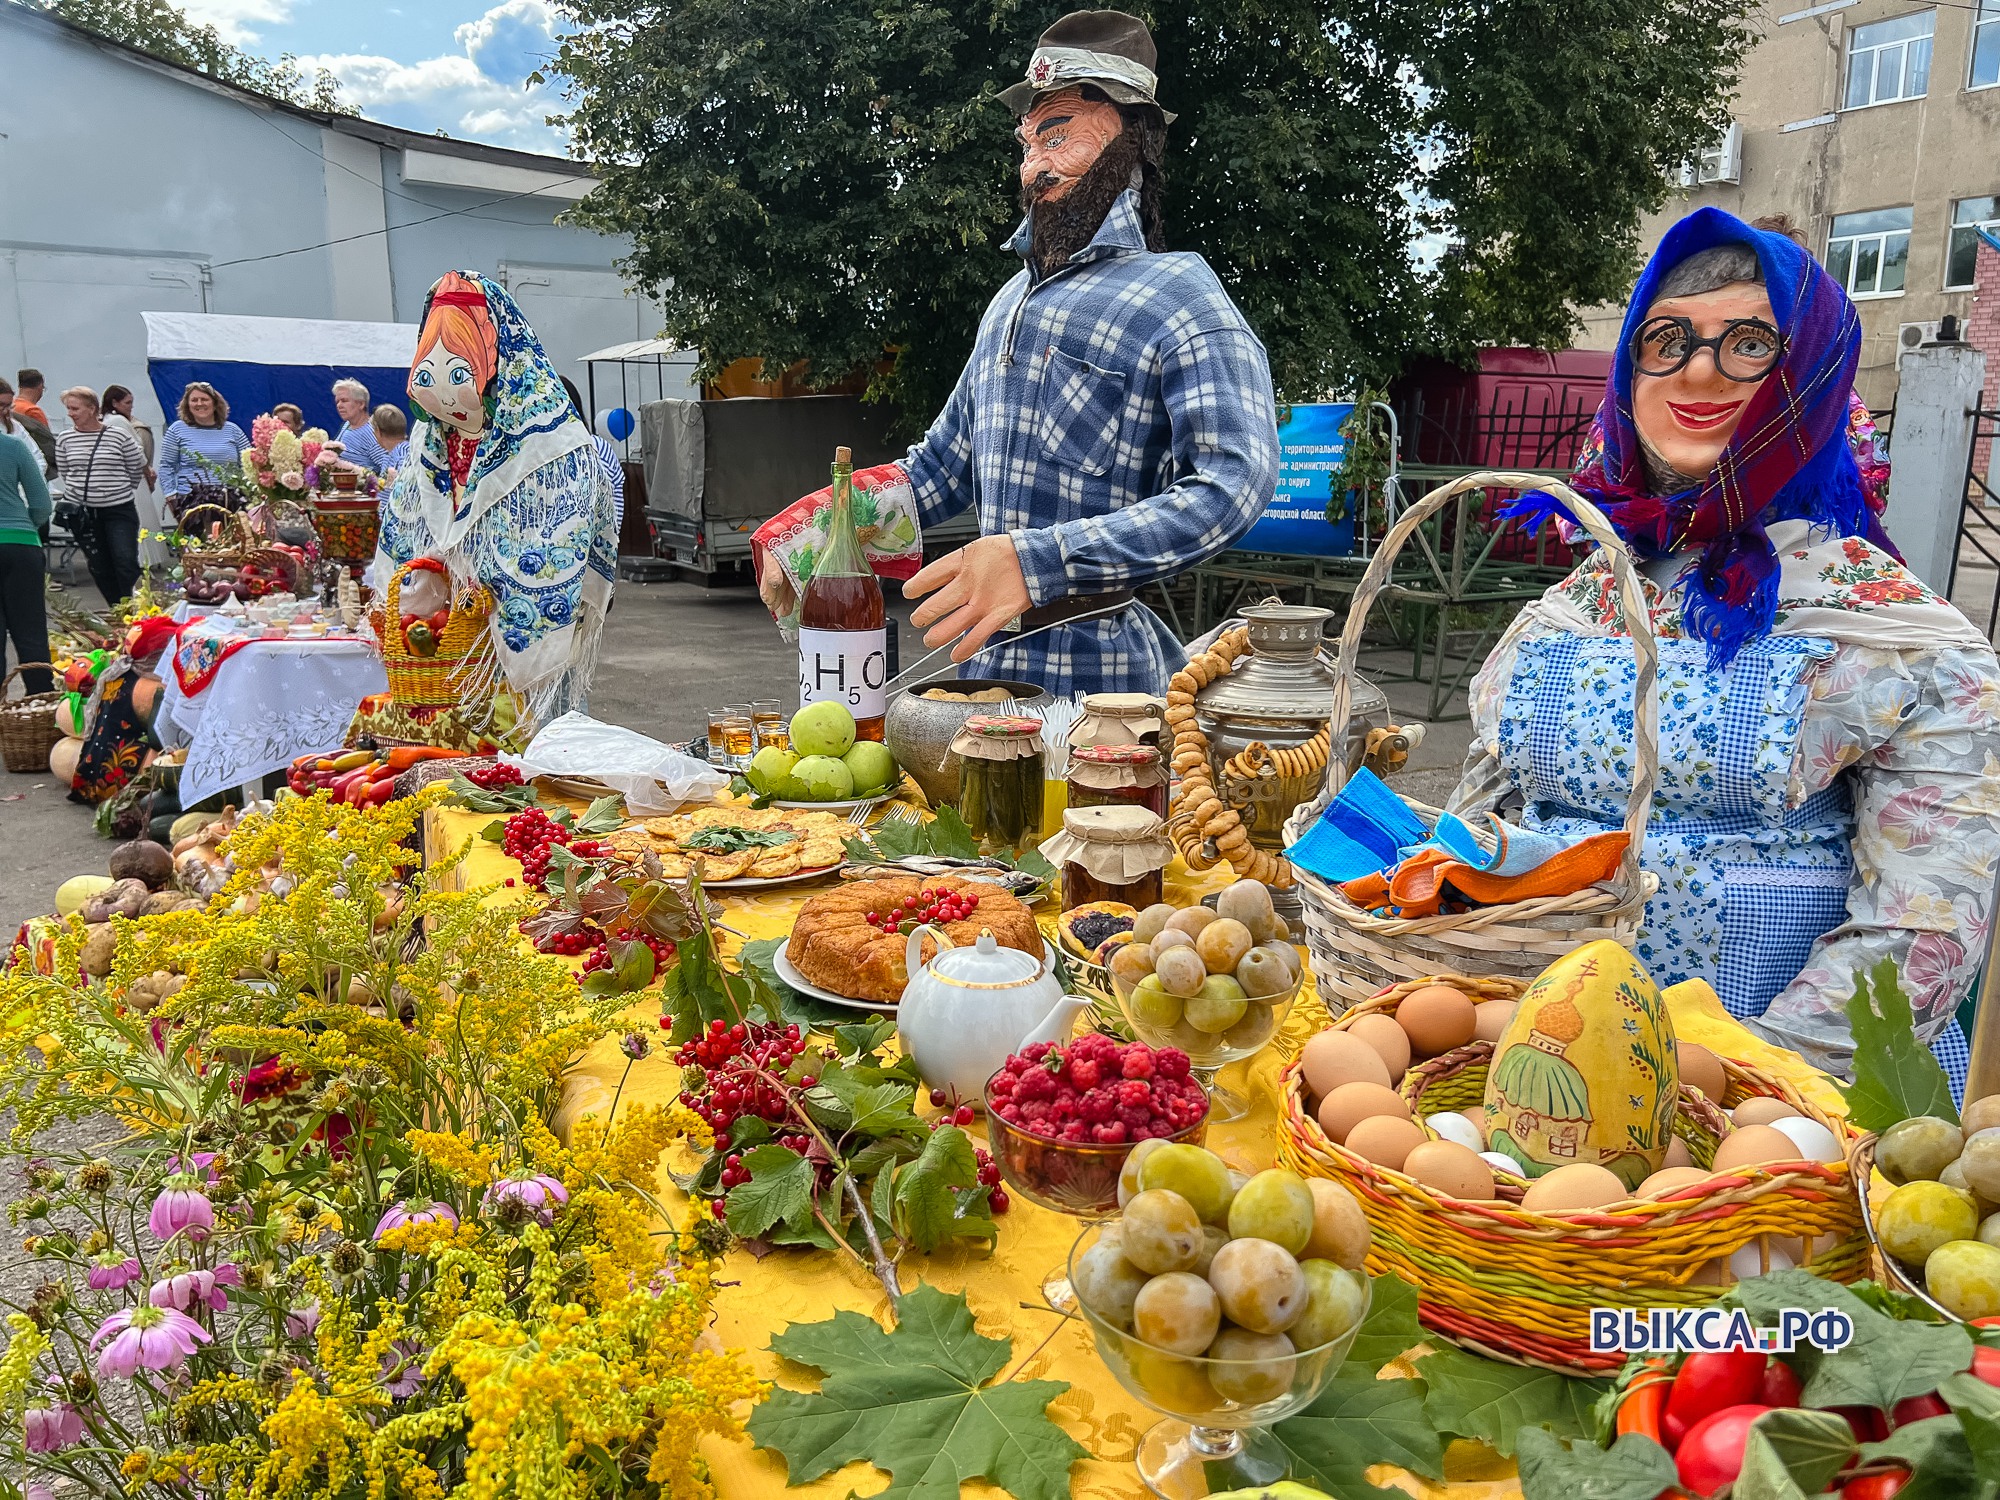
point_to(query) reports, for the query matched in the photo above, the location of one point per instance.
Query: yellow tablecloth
(759, 1298)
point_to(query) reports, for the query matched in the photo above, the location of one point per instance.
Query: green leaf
(1895, 1076)
(1935, 1450)
(1764, 1475)
(1887, 1362)
(1493, 1403)
(1357, 1421)
(605, 815)
(947, 835)
(1032, 863)
(495, 832)
(1978, 1407)
(780, 999)
(779, 1192)
(916, 1402)
(1633, 1468)
(1808, 1448)
(884, 1109)
(1390, 1329)
(925, 1202)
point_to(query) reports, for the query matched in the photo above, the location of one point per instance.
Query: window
(1985, 46)
(1868, 253)
(1968, 217)
(1890, 60)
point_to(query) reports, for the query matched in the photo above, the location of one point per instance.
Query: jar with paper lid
(1000, 780)
(1117, 775)
(1119, 719)
(1111, 854)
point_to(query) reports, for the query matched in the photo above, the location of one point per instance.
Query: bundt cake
(843, 943)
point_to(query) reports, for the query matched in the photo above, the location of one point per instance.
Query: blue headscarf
(1789, 458)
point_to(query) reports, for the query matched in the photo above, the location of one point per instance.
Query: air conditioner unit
(1722, 162)
(1915, 335)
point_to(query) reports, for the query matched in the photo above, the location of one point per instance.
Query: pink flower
(302, 1322)
(53, 1427)
(414, 1211)
(1915, 817)
(292, 479)
(308, 449)
(539, 1193)
(402, 1367)
(191, 1288)
(146, 1338)
(261, 431)
(39, 1491)
(181, 1208)
(201, 1161)
(111, 1272)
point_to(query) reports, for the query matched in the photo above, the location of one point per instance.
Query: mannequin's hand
(979, 589)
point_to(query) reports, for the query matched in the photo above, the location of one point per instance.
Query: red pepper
(1645, 1399)
(1986, 1364)
(1707, 1383)
(341, 783)
(1875, 1486)
(1780, 1387)
(378, 792)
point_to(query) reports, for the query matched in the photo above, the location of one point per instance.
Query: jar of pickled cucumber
(1117, 853)
(1000, 780)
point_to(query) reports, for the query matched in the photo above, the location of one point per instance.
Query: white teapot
(965, 1011)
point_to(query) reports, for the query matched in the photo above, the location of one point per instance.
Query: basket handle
(27, 666)
(1632, 613)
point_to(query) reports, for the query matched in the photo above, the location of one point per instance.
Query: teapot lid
(986, 965)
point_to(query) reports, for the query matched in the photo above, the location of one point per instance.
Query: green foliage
(1633, 1468)
(831, 182)
(918, 1401)
(1357, 1421)
(1495, 1403)
(1895, 1075)
(1793, 1453)
(164, 31)
(1888, 1360)
(1364, 464)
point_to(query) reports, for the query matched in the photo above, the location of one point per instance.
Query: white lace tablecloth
(270, 703)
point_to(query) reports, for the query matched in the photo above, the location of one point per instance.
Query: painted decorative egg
(1586, 1070)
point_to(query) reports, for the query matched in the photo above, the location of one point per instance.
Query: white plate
(758, 882)
(848, 806)
(782, 963)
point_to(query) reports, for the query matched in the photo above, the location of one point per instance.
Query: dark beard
(1057, 230)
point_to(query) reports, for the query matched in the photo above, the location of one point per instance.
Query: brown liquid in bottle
(843, 634)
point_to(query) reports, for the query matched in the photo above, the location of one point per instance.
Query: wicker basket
(1518, 1286)
(347, 529)
(239, 546)
(463, 657)
(28, 729)
(1354, 952)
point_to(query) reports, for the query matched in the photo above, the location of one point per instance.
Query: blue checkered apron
(1747, 883)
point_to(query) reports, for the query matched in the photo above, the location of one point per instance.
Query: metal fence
(1979, 516)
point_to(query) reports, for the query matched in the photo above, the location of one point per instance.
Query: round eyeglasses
(1746, 349)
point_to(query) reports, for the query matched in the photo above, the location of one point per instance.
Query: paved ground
(671, 650)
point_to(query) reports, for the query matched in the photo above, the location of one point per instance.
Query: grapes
(1916, 1150)
(1336, 1300)
(1260, 1286)
(1218, 1005)
(1260, 1365)
(1178, 1311)
(1964, 1275)
(1107, 1283)
(1162, 1232)
(1277, 1206)
(1130, 963)
(1340, 1229)
(1198, 1176)
(1263, 974)
(1920, 1216)
(1151, 922)
(1222, 944)
(1250, 1033)
(1980, 1162)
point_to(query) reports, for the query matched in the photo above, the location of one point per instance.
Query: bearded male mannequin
(1115, 423)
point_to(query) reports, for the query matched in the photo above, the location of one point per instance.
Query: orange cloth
(1417, 885)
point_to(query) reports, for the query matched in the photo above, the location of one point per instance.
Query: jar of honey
(1116, 853)
(1117, 775)
(1119, 719)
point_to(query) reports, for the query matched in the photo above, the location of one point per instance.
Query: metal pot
(919, 730)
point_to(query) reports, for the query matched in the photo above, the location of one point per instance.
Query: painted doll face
(1061, 139)
(445, 385)
(1687, 417)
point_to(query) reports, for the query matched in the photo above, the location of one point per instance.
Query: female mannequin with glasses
(1829, 791)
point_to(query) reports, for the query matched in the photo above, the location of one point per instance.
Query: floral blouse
(1907, 708)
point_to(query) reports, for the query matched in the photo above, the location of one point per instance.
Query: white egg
(1814, 1140)
(1454, 1127)
(1499, 1162)
(1746, 1263)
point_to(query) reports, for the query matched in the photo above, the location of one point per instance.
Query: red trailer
(1521, 409)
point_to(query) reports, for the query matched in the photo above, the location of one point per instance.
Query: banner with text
(1310, 449)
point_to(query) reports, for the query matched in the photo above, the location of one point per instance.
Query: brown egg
(1703, 1070)
(1437, 1018)
(1448, 1168)
(1669, 1180)
(1761, 1111)
(1334, 1058)
(1490, 1018)
(1386, 1140)
(1477, 1114)
(1572, 1189)
(1677, 1154)
(1351, 1103)
(1389, 1040)
(1755, 1145)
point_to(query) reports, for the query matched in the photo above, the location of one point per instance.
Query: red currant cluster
(590, 940)
(736, 1066)
(1098, 1090)
(932, 906)
(495, 775)
(989, 1172)
(529, 837)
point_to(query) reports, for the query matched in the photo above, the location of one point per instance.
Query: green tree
(824, 180)
(164, 30)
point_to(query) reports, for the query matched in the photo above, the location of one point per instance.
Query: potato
(99, 949)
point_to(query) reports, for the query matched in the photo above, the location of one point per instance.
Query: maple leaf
(916, 1402)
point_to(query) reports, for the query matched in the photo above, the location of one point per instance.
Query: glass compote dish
(1218, 1412)
(1228, 1032)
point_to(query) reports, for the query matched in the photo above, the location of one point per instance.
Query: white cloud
(237, 20)
(479, 93)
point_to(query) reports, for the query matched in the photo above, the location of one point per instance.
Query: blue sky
(451, 65)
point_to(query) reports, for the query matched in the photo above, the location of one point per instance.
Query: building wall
(1920, 153)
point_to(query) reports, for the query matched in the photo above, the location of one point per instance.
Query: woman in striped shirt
(101, 469)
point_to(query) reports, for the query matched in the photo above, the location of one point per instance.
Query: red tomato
(1779, 1387)
(1875, 1486)
(1711, 1455)
(1707, 1383)
(1916, 1409)
(1865, 1422)
(1986, 1364)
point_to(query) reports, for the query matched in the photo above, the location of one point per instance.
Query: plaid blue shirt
(1116, 419)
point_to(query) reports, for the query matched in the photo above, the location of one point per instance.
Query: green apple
(872, 767)
(824, 778)
(822, 729)
(769, 769)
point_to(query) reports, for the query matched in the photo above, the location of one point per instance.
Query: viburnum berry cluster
(732, 1071)
(488, 778)
(927, 906)
(663, 951)
(1098, 1089)
(989, 1171)
(531, 837)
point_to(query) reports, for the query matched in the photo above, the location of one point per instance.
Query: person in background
(28, 401)
(392, 436)
(118, 412)
(102, 469)
(607, 457)
(356, 437)
(24, 515)
(201, 447)
(291, 416)
(35, 434)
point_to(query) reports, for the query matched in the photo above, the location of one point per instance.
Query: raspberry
(1038, 1083)
(1083, 1071)
(1137, 1062)
(1133, 1093)
(1135, 1115)
(1170, 1063)
(1098, 1106)
(1075, 1130)
(1113, 1134)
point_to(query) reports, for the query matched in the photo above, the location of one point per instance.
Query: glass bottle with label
(843, 632)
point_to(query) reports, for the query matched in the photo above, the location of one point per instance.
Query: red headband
(460, 299)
